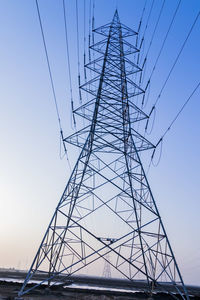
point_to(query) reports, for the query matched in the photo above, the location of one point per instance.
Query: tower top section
(116, 17)
(115, 23)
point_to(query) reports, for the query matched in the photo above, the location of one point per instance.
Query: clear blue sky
(32, 174)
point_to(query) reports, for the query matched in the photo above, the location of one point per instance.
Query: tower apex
(116, 17)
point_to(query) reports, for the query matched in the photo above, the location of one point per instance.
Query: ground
(8, 291)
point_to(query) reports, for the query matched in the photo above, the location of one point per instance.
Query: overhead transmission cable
(48, 64)
(142, 41)
(78, 52)
(174, 120)
(93, 8)
(51, 80)
(140, 23)
(92, 29)
(166, 36)
(139, 59)
(156, 26)
(162, 47)
(136, 56)
(69, 66)
(145, 29)
(142, 75)
(153, 34)
(180, 111)
(84, 42)
(89, 37)
(177, 57)
(173, 66)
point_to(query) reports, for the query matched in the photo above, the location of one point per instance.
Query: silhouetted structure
(107, 207)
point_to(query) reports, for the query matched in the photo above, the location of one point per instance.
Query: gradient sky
(32, 174)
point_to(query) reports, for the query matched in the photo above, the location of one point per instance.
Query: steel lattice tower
(107, 207)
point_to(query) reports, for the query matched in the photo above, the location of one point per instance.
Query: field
(8, 291)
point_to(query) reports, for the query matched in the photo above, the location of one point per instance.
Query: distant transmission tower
(107, 206)
(106, 269)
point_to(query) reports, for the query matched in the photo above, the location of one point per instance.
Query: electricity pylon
(106, 269)
(107, 207)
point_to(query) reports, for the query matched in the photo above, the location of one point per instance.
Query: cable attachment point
(139, 26)
(65, 149)
(85, 72)
(148, 82)
(73, 115)
(160, 154)
(146, 94)
(79, 83)
(144, 62)
(62, 138)
(141, 43)
(153, 111)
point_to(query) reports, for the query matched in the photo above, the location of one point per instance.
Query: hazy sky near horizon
(32, 174)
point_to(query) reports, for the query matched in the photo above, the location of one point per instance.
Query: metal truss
(107, 208)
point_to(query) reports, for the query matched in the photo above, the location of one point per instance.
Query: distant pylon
(106, 269)
(107, 206)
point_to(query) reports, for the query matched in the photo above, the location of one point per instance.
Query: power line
(150, 44)
(48, 64)
(78, 52)
(84, 42)
(176, 60)
(164, 41)
(137, 55)
(147, 23)
(174, 64)
(180, 111)
(142, 42)
(93, 8)
(51, 80)
(171, 124)
(156, 26)
(89, 37)
(148, 18)
(140, 23)
(68, 61)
